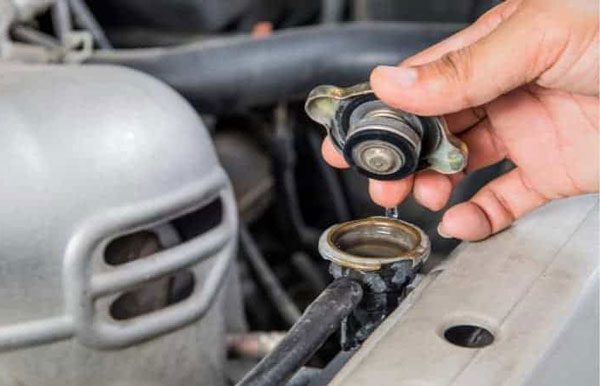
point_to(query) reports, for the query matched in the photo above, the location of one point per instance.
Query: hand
(520, 83)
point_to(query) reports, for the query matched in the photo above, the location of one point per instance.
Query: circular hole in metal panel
(469, 336)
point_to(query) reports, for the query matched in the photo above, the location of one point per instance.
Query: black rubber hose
(227, 74)
(321, 319)
(304, 376)
(284, 162)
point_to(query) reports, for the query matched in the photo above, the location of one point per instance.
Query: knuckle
(457, 69)
(455, 65)
(498, 210)
(490, 20)
(497, 15)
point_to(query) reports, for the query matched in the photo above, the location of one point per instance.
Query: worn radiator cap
(373, 243)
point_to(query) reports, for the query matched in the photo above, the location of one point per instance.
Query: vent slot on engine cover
(170, 289)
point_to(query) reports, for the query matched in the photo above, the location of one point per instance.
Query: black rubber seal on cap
(409, 152)
(348, 106)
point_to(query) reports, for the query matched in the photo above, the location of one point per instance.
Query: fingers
(429, 188)
(470, 76)
(495, 207)
(331, 155)
(485, 148)
(465, 119)
(388, 194)
(432, 190)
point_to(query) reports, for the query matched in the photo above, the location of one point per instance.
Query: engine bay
(171, 215)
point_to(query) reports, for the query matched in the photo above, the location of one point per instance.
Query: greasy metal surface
(328, 105)
(376, 241)
(88, 155)
(533, 286)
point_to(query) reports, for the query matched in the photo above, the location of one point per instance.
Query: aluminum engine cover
(87, 155)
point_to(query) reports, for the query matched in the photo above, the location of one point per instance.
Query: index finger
(332, 156)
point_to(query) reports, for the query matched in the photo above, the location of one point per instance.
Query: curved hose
(227, 74)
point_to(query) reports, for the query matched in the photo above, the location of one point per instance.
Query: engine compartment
(245, 68)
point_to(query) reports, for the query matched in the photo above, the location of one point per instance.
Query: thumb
(514, 53)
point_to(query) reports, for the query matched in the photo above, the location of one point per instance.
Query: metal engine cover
(87, 155)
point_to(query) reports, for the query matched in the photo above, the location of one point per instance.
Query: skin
(521, 83)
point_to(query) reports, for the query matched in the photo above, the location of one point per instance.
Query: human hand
(521, 83)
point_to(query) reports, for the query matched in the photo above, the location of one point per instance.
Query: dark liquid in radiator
(372, 247)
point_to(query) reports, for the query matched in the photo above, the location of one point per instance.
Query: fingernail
(440, 231)
(402, 76)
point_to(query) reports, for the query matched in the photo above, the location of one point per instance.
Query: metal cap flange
(373, 243)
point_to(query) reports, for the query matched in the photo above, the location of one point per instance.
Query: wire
(85, 19)
(61, 20)
(284, 154)
(267, 278)
(33, 36)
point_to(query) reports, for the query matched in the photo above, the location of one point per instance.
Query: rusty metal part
(254, 345)
(381, 253)
(381, 142)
